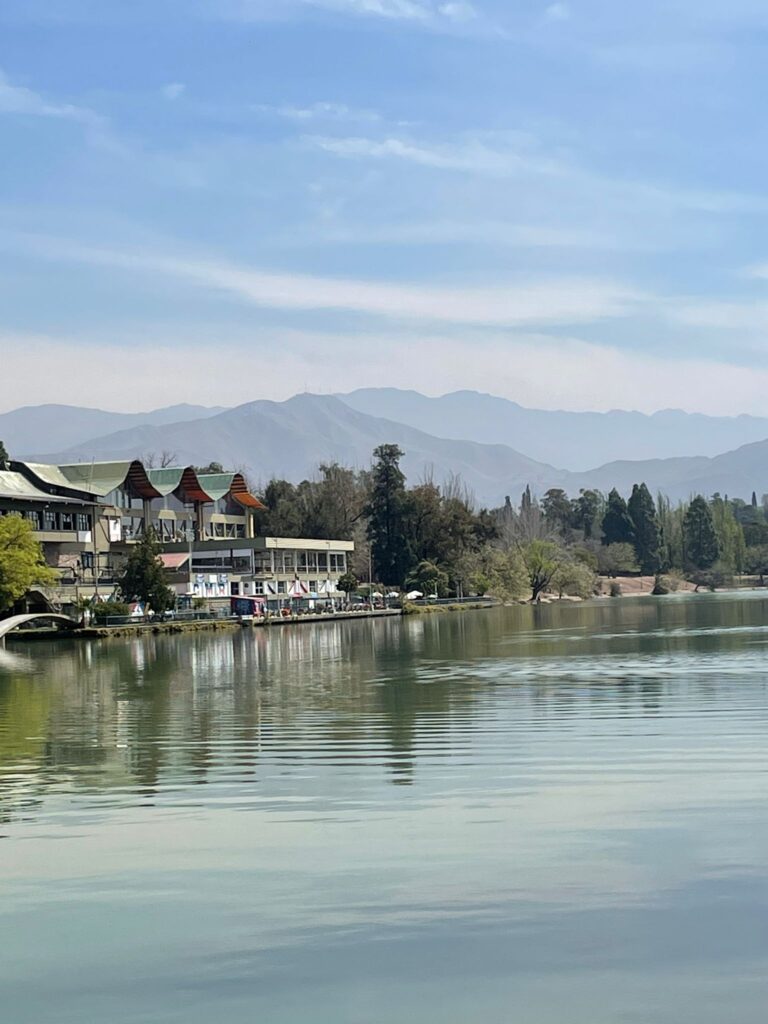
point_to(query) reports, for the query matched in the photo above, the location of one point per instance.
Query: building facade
(87, 516)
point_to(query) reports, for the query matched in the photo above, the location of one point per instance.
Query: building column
(146, 514)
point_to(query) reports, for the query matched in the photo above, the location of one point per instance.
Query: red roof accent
(174, 560)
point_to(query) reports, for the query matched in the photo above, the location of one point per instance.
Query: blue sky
(222, 200)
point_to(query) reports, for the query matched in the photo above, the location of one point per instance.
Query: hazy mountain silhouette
(289, 439)
(35, 428)
(572, 440)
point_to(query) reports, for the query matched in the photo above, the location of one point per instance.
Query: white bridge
(6, 625)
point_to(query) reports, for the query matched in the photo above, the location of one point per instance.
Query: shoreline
(198, 626)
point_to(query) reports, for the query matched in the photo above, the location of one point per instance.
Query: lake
(549, 815)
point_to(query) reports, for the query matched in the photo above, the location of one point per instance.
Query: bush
(615, 589)
(617, 558)
(108, 609)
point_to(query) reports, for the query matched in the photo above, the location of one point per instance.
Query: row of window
(53, 521)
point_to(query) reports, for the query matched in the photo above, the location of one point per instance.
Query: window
(234, 589)
(83, 522)
(338, 561)
(258, 587)
(86, 559)
(287, 561)
(67, 521)
(281, 587)
(322, 562)
(34, 517)
(313, 586)
(49, 520)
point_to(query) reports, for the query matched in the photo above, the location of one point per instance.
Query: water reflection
(545, 814)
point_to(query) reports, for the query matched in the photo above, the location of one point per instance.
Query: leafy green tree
(699, 535)
(22, 564)
(495, 572)
(615, 559)
(283, 517)
(617, 523)
(587, 512)
(143, 577)
(348, 583)
(386, 512)
(647, 532)
(428, 578)
(541, 559)
(558, 511)
(730, 534)
(575, 579)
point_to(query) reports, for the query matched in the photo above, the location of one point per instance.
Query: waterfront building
(88, 515)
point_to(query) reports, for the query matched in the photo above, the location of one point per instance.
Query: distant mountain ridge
(574, 441)
(36, 427)
(290, 439)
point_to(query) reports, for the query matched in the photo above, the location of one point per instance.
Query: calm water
(547, 816)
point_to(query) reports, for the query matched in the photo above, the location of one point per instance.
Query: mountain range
(289, 439)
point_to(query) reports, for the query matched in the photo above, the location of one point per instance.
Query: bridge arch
(14, 621)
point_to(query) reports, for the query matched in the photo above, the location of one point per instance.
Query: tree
(575, 579)
(587, 512)
(154, 461)
(4, 456)
(730, 534)
(348, 583)
(386, 512)
(617, 523)
(212, 467)
(428, 578)
(647, 532)
(541, 559)
(144, 577)
(613, 559)
(558, 511)
(22, 564)
(699, 535)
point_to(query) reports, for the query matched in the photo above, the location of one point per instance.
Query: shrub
(107, 609)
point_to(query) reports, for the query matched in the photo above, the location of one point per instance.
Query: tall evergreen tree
(648, 539)
(617, 524)
(387, 514)
(4, 456)
(699, 535)
(144, 577)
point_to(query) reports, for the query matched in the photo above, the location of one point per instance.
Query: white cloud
(538, 371)
(428, 13)
(472, 155)
(321, 111)
(520, 302)
(17, 99)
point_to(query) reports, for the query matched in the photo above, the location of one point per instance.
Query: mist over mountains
(574, 441)
(469, 434)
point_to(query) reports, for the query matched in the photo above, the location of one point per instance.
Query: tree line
(432, 537)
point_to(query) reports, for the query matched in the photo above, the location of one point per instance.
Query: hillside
(573, 440)
(291, 438)
(34, 428)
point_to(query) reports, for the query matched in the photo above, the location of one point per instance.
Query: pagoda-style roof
(95, 480)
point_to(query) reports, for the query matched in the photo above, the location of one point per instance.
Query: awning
(174, 561)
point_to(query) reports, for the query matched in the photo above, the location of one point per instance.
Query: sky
(217, 201)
